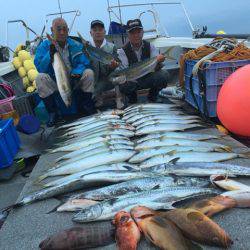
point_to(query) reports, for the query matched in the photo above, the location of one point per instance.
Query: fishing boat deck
(27, 226)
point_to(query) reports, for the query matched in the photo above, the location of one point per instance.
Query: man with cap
(78, 67)
(97, 32)
(137, 50)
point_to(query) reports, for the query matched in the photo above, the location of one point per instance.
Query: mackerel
(188, 157)
(180, 142)
(109, 157)
(139, 185)
(107, 209)
(149, 105)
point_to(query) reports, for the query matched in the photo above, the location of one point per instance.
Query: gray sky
(231, 16)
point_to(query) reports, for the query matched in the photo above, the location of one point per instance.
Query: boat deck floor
(27, 226)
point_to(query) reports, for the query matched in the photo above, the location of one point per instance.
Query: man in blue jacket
(77, 65)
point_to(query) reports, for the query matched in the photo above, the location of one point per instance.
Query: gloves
(52, 51)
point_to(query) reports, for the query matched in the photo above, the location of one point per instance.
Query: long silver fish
(139, 185)
(80, 144)
(117, 166)
(188, 157)
(97, 53)
(148, 105)
(93, 153)
(140, 69)
(165, 128)
(109, 157)
(61, 74)
(161, 122)
(183, 135)
(166, 196)
(180, 142)
(145, 154)
(84, 181)
(162, 117)
(91, 147)
(201, 169)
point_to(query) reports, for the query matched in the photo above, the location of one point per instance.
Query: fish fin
(156, 187)
(148, 236)
(129, 168)
(227, 149)
(245, 155)
(173, 161)
(55, 208)
(159, 221)
(192, 246)
(167, 53)
(40, 178)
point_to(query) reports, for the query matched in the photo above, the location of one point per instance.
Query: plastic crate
(215, 74)
(9, 143)
(6, 105)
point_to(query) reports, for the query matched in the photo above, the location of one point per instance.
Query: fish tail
(82, 39)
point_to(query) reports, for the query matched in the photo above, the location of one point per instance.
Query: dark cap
(96, 22)
(134, 24)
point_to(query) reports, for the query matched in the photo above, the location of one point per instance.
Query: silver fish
(117, 166)
(201, 169)
(180, 142)
(109, 157)
(148, 105)
(188, 157)
(140, 69)
(144, 154)
(139, 185)
(183, 135)
(61, 74)
(106, 210)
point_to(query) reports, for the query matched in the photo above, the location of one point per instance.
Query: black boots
(85, 103)
(50, 105)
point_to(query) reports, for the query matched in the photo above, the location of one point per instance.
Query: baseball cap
(134, 24)
(96, 22)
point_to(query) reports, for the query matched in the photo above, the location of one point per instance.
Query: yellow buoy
(221, 32)
(16, 62)
(28, 65)
(22, 72)
(32, 74)
(26, 82)
(24, 55)
(30, 89)
(19, 48)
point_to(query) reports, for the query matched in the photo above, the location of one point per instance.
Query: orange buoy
(233, 103)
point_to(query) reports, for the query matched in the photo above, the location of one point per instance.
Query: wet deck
(27, 226)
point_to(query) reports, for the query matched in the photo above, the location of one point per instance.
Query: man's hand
(113, 64)
(160, 58)
(52, 51)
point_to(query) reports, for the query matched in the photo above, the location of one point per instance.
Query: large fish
(188, 157)
(165, 128)
(80, 238)
(198, 227)
(127, 234)
(162, 142)
(108, 157)
(145, 154)
(183, 135)
(83, 181)
(117, 166)
(140, 69)
(139, 185)
(61, 74)
(201, 169)
(155, 199)
(96, 53)
(160, 231)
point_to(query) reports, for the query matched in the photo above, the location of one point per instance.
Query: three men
(78, 67)
(94, 82)
(137, 50)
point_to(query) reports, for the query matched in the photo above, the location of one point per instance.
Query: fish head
(121, 218)
(88, 214)
(141, 212)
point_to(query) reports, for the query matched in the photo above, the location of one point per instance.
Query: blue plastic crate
(215, 75)
(9, 142)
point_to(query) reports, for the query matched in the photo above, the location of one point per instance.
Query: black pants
(154, 81)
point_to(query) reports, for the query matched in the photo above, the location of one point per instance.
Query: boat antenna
(120, 13)
(59, 6)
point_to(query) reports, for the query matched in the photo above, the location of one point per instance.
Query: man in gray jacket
(101, 71)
